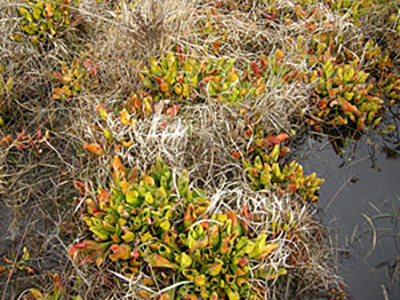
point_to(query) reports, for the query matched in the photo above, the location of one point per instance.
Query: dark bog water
(360, 204)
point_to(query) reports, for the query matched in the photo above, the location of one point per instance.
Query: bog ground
(151, 149)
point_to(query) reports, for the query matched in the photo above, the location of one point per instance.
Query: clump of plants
(343, 97)
(266, 172)
(337, 293)
(42, 21)
(56, 292)
(74, 78)
(387, 81)
(264, 159)
(180, 77)
(12, 265)
(218, 260)
(25, 141)
(156, 225)
(139, 207)
(351, 85)
(389, 87)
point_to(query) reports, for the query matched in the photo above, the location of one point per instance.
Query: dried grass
(36, 190)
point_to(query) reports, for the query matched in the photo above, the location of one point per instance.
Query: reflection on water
(360, 202)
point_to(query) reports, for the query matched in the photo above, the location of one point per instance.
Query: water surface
(361, 187)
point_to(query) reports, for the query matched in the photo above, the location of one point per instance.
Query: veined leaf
(157, 261)
(122, 252)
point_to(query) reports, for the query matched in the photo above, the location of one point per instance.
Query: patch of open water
(360, 204)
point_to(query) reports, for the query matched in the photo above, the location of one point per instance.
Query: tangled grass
(49, 122)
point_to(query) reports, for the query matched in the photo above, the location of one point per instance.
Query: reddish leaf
(116, 165)
(256, 70)
(279, 54)
(81, 187)
(3, 269)
(84, 246)
(58, 75)
(245, 212)
(181, 53)
(332, 93)
(173, 111)
(87, 63)
(275, 139)
(243, 261)
(38, 134)
(213, 72)
(282, 137)
(94, 148)
(6, 140)
(190, 216)
(235, 154)
(159, 79)
(157, 261)
(21, 136)
(263, 62)
(120, 252)
(49, 10)
(104, 196)
(226, 245)
(216, 45)
(270, 17)
(6, 260)
(88, 251)
(103, 112)
(284, 150)
(94, 69)
(322, 103)
(347, 107)
(21, 146)
(233, 218)
(292, 187)
(164, 87)
(148, 179)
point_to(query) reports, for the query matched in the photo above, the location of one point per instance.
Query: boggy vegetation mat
(145, 145)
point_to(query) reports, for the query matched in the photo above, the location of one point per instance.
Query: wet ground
(360, 203)
(4, 231)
